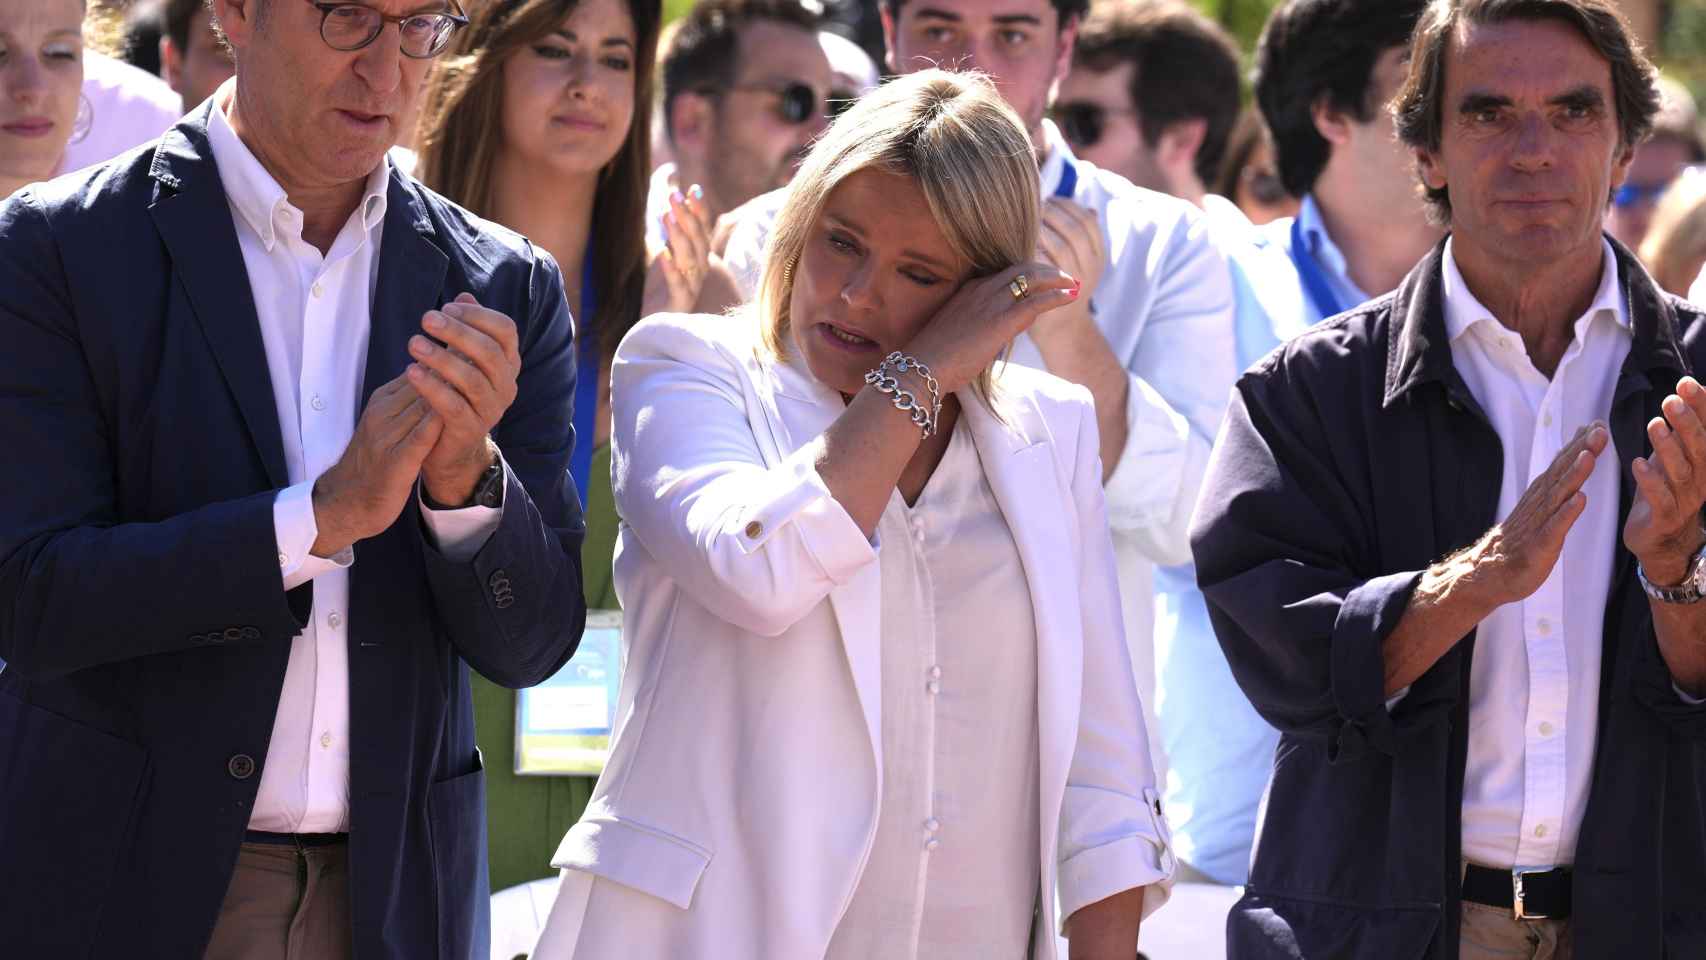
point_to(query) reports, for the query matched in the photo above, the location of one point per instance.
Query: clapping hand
(469, 379)
(677, 273)
(1663, 528)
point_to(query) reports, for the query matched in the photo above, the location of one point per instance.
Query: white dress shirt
(1697, 293)
(1534, 679)
(1165, 306)
(314, 314)
(954, 869)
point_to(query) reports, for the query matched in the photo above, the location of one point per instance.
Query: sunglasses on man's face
(796, 103)
(1638, 194)
(1083, 123)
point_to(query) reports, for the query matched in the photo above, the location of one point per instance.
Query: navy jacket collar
(1419, 350)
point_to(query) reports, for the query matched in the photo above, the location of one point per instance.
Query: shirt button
(1540, 831)
(317, 403)
(933, 687)
(754, 530)
(935, 673)
(1545, 729)
(1546, 421)
(932, 824)
(335, 621)
(284, 560)
(316, 290)
(1544, 624)
(932, 843)
(326, 739)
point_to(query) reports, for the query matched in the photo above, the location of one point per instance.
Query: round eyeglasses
(351, 26)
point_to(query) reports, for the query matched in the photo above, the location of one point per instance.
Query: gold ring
(1020, 286)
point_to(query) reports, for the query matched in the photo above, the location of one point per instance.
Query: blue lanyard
(587, 357)
(1309, 272)
(1068, 179)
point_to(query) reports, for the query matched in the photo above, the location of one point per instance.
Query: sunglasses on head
(1082, 123)
(796, 103)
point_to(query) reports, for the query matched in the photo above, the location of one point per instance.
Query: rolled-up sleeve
(760, 544)
(1279, 542)
(1113, 836)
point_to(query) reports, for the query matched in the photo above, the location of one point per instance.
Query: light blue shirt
(1219, 750)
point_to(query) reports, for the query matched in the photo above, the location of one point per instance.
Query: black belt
(297, 840)
(1528, 894)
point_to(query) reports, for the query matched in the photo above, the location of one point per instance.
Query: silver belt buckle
(1518, 908)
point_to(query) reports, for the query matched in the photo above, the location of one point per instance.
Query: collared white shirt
(955, 867)
(1697, 293)
(1165, 306)
(1534, 678)
(315, 315)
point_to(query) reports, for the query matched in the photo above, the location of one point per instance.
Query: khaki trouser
(285, 904)
(1492, 933)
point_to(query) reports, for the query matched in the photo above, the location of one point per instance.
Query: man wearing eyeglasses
(745, 91)
(288, 440)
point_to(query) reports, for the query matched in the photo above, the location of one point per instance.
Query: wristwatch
(488, 492)
(1692, 589)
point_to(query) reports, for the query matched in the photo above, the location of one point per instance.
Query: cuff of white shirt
(1685, 698)
(1153, 487)
(295, 529)
(1115, 867)
(460, 534)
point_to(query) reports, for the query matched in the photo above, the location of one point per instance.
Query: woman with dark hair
(538, 118)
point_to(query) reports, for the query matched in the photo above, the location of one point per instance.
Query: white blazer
(739, 804)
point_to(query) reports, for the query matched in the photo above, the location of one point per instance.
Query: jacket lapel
(194, 220)
(411, 282)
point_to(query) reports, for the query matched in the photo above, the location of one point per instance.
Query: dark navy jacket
(1353, 458)
(141, 607)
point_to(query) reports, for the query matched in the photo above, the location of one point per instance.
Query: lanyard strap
(1309, 272)
(587, 357)
(1068, 179)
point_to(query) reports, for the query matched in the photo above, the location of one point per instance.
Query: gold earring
(788, 271)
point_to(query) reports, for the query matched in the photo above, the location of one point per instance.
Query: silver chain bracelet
(905, 400)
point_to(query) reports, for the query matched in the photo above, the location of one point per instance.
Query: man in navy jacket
(165, 486)
(1452, 545)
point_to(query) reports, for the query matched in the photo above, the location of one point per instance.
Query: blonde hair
(1676, 242)
(967, 149)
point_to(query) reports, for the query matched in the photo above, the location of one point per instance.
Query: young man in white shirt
(746, 87)
(1153, 342)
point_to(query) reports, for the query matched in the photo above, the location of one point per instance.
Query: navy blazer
(145, 620)
(1353, 457)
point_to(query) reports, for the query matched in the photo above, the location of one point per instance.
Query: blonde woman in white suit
(877, 702)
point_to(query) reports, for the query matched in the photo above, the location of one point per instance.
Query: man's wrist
(331, 533)
(455, 488)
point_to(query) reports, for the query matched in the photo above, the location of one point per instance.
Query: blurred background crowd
(1273, 129)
